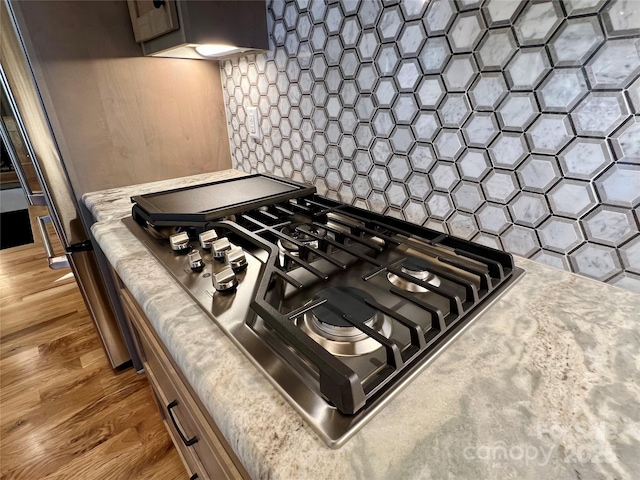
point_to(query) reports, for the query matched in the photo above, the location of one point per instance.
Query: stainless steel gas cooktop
(337, 306)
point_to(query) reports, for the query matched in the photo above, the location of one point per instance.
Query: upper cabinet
(199, 29)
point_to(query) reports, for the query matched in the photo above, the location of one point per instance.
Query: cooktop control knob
(235, 258)
(180, 242)
(195, 261)
(219, 247)
(207, 238)
(225, 280)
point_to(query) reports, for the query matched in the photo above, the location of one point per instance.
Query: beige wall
(120, 118)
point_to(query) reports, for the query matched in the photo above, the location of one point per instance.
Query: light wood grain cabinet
(152, 18)
(203, 449)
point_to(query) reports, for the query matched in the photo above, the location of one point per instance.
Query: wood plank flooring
(64, 413)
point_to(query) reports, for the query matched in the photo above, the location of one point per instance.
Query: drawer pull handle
(188, 442)
(193, 477)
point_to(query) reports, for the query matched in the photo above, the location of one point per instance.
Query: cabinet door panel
(152, 18)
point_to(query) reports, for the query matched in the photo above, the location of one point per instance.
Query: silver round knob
(236, 258)
(225, 280)
(180, 242)
(219, 247)
(207, 238)
(195, 261)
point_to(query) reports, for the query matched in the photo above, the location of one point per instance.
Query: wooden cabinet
(204, 451)
(238, 24)
(152, 18)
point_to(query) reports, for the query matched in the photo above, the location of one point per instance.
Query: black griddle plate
(199, 204)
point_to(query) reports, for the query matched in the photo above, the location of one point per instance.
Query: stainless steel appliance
(25, 111)
(337, 306)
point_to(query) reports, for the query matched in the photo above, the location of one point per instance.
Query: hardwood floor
(64, 413)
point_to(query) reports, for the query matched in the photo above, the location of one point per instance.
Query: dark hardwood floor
(64, 413)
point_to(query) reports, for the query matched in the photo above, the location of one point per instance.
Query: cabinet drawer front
(170, 387)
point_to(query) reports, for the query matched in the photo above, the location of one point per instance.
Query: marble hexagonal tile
(444, 176)
(347, 171)
(362, 162)
(377, 202)
(626, 142)
(349, 92)
(367, 46)
(599, 114)
(496, 49)
(399, 168)
(390, 24)
(552, 259)
(462, 225)
(585, 158)
(582, 7)
(439, 205)
(480, 129)
(626, 280)
(348, 120)
(333, 51)
(440, 14)
(405, 109)
(619, 186)
(575, 41)
(609, 225)
(368, 13)
(430, 92)
(379, 178)
(465, 32)
(448, 144)
(615, 64)
(387, 59)
(437, 225)
(396, 195)
(411, 39)
(508, 150)
(415, 212)
(402, 139)
(454, 111)
(383, 122)
(408, 75)
(488, 240)
(500, 186)
(385, 92)
(488, 91)
(529, 209)
(422, 157)
(630, 253)
(474, 164)
(349, 64)
(499, 12)
(517, 112)
(346, 194)
(468, 196)
(426, 126)
(634, 96)
(366, 78)
(572, 198)
(537, 22)
(381, 151)
(538, 173)
(347, 146)
(549, 133)
(350, 33)
(413, 9)
(419, 186)
(493, 219)
(364, 135)
(520, 240)
(527, 68)
(560, 235)
(365, 108)
(622, 17)
(562, 90)
(434, 55)
(459, 73)
(595, 261)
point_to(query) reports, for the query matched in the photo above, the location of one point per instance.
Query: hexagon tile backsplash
(513, 124)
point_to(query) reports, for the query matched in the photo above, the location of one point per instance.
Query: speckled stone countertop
(545, 384)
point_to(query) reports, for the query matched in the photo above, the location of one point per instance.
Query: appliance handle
(54, 262)
(188, 442)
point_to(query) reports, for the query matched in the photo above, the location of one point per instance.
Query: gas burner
(327, 326)
(300, 232)
(417, 268)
